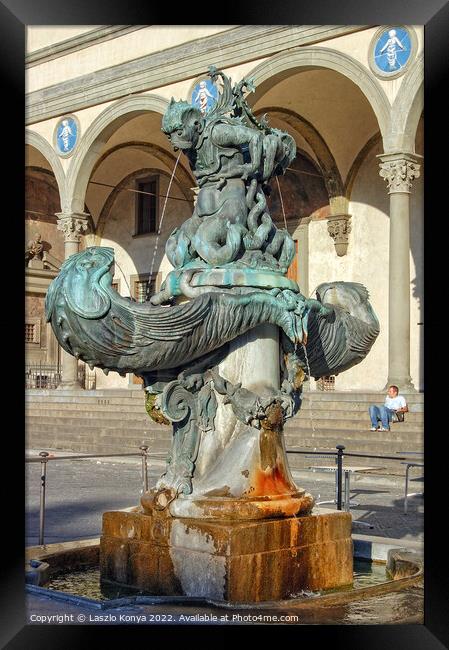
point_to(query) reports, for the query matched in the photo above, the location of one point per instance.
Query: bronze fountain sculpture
(223, 349)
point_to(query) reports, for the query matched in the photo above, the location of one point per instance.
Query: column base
(404, 384)
(70, 385)
(248, 561)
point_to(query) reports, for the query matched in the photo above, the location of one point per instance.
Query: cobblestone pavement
(79, 491)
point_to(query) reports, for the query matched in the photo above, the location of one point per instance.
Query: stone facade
(352, 130)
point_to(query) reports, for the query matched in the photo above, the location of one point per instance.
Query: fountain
(223, 349)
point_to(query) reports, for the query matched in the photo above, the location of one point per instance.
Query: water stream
(310, 391)
(303, 346)
(160, 226)
(124, 277)
(282, 203)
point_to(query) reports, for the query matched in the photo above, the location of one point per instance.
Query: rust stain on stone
(158, 499)
(271, 431)
(257, 561)
(270, 481)
(273, 420)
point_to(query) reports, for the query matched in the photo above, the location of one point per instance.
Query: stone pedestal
(232, 561)
(36, 263)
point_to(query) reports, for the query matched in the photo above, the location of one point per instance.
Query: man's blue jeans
(382, 413)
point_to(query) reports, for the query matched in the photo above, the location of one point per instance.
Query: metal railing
(339, 454)
(44, 457)
(48, 376)
(42, 375)
(86, 377)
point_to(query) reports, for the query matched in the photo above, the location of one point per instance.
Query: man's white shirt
(395, 403)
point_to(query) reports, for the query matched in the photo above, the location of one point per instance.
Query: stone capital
(399, 170)
(339, 227)
(73, 225)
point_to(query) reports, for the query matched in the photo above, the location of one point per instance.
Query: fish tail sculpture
(94, 323)
(341, 333)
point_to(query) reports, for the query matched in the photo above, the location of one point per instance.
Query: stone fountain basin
(404, 569)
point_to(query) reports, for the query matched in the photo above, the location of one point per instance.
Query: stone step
(119, 435)
(321, 428)
(353, 416)
(136, 412)
(295, 461)
(85, 447)
(69, 394)
(57, 398)
(97, 422)
(136, 395)
(300, 439)
(358, 396)
(350, 407)
(334, 422)
(139, 414)
(138, 409)
(44, 435)
(44, 439)
(370, 437)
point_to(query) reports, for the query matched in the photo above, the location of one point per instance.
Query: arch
(49, 180)
(358, 161)
(305, 154)
(40, 143)
(407, 109)
(98, 133)
(284, 64)
(326, 161)
(42, 170)
(184, 178)
(119, 187)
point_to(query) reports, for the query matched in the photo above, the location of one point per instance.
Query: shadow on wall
(303, 192)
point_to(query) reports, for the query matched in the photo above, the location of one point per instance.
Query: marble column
(399, 170)
(73, 225)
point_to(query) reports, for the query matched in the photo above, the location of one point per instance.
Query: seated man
(394, 403)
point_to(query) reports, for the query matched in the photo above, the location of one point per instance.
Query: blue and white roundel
(66, 135)
(204, 95)
(392, 49)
